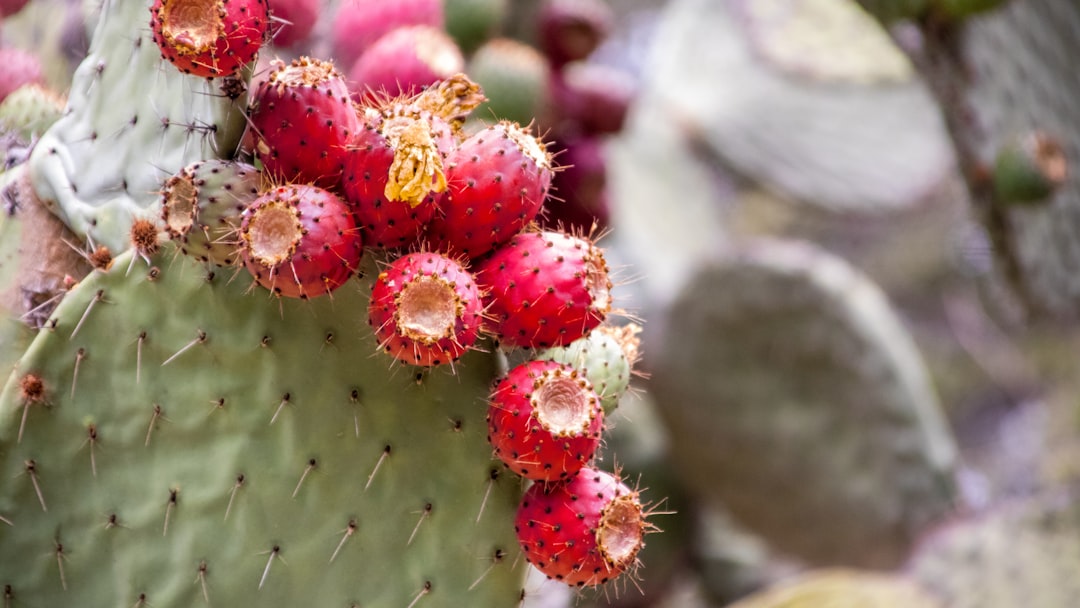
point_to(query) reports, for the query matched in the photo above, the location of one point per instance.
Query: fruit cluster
(453, 213)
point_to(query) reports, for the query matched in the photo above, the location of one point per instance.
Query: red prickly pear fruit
(403, 62)
(303, 122)
(293, 20)
(585, 531)
(545, 289)
(394, 173)
(300, 241)
(359, 23)
(497, 181)
(570, 30)
(425, 309)
(209, 38)
(580, 187)
(592, 98)
(10, 7)
(544, 421)
(18, 67)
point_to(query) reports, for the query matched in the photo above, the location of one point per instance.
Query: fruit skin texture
(425, 309)
(300, 241)
(524, 434)
(545, 289)
(583, 532)
(209, 39)
(403, 62)
(497, 181)
(394, 175)
(304, 122)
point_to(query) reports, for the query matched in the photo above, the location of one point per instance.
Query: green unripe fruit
(1029, 169)
(29, 110)
(606, 356)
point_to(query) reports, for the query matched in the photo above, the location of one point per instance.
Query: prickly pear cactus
(1005, 74)
(92, 168)
(193, 441)
(794, 388)
(841, 589)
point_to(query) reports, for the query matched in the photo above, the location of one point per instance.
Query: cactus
(982, 71)
(811, 355)
(179, 433)
(842, 589)
(1020, 553)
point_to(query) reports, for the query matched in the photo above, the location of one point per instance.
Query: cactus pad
(196, 440)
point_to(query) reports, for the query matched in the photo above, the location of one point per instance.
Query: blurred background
(856, 382)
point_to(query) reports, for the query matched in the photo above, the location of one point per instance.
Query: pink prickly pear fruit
(570, 30)
(585, 531)
(497, 181)
(359, 23)
(394, 173)
(300, 241)
(545, 289)
(303, 121)
(544, 421)
(293, 20)
(209, 38)
(403, 62)
(425, 309)
(592, 98)
(18, 67)
(10, 7)
(580, 204)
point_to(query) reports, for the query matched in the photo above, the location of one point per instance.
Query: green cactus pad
(792, 387)
(198, 441)
(103, 162)
(841, 589)
(1024, 553)
(30, 110)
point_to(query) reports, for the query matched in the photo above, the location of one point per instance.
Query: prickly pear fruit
(17, 67)
(425, 309)
(580, 186)
(403, 62)
(1029, 169)
(515, 77)
(394, 173)
(303, 122)
(570, 30)
(300, 241)
(201, 207)
(606, 357)
(545, 289)
(359, 23)
(584, 531)
(472, 22)
(29, 110)
(209, 38)
(545, 420)
(293, 20)
(497, 181)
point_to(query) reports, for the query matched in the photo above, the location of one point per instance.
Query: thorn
(173, 495)
(423, 516)
(218, 404)
(232, 495)
(139, 603)
(312, 463)
(6, 521)
(426, 590)
(31, 470)
(200, 337)
(91, 438)
(138, 356)
(348, 532)
(284, 401)
(385, 453)
(495, 559)
(79, 356)
(60, 557)
(201, 579)
(266, 571)
(113, 521)
(99, 296)
(158, 413)
(487, 493)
